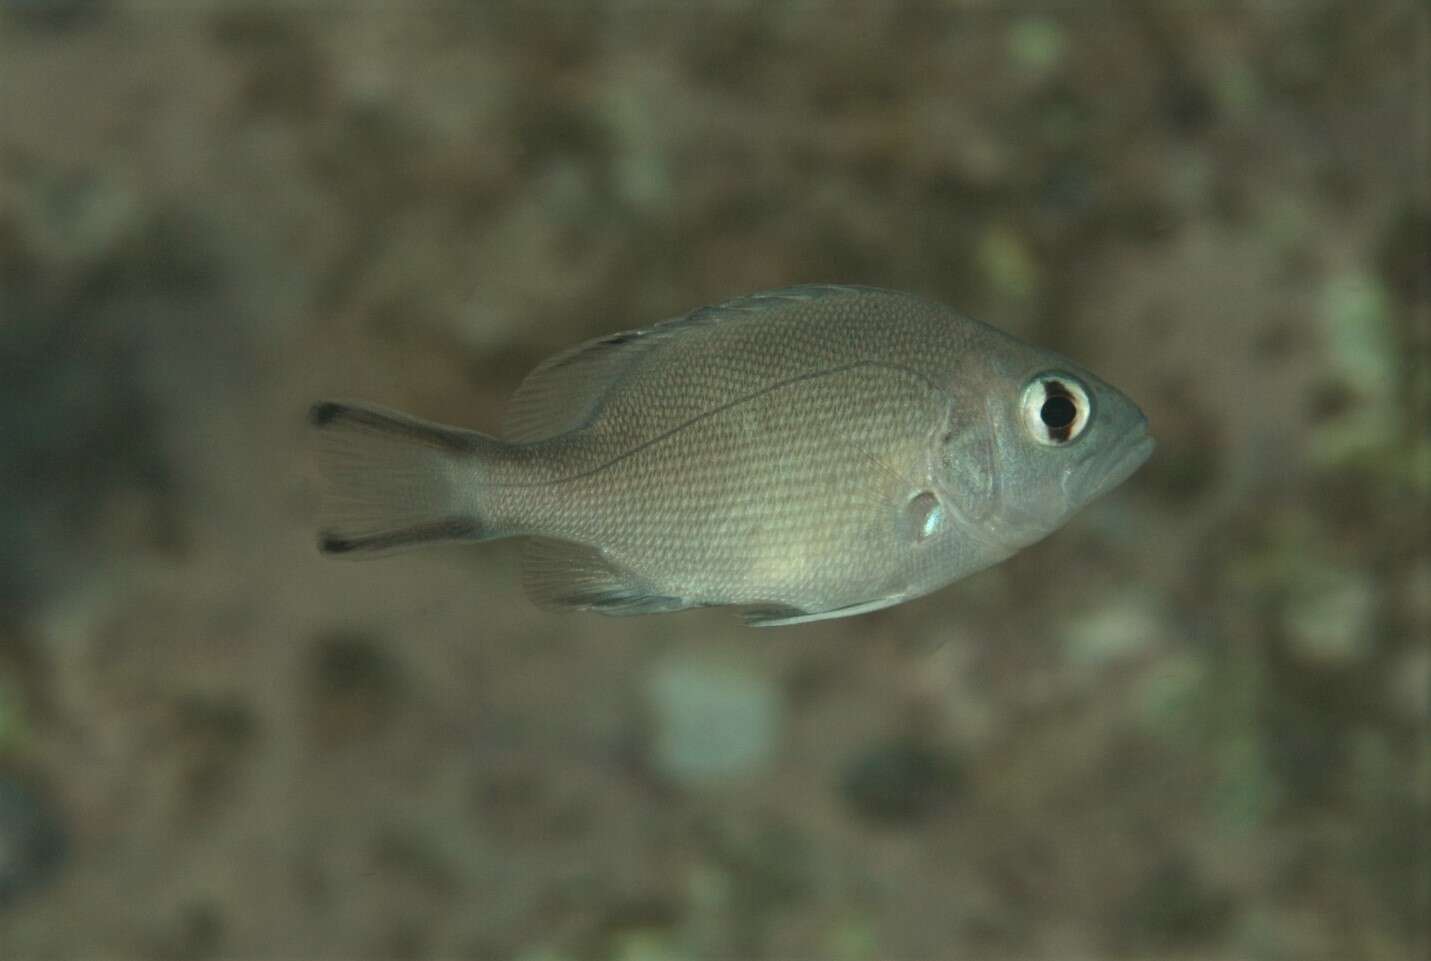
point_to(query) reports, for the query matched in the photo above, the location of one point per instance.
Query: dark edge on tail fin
(453, 528)
(326, 414)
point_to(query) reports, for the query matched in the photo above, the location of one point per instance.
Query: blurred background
(1192, 725)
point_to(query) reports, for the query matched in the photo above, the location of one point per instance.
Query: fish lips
(1110, 470)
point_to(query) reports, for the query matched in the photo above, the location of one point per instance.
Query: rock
(1037, 45)
(1409, 685)
(354, 687)
(1123, 627)
(33, 840)
(1173, 908)
(11, 715)
(901, 781)
(1358, 329)
(640, 163)
(1007, 263)
(1328, 619)
(1167, 698)
(714, 721)
(54, 15)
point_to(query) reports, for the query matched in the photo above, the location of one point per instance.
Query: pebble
(33, 841)
(1329, 618)
(1121, 628)
(714, 721)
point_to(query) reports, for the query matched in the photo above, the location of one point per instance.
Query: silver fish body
(805, 453)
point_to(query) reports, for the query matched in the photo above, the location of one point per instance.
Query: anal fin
(564, 575)
(779, 615)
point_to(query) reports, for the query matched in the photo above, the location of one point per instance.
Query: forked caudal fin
(391, 481)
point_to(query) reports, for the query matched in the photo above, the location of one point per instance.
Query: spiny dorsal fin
(565, 391)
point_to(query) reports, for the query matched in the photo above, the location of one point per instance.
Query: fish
(798, 454)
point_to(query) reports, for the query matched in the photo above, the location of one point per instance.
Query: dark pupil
(1058, 412)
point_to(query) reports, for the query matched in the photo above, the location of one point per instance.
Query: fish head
(1049, 438)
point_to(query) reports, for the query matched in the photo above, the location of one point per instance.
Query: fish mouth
(1125, 460)
(1117, 466)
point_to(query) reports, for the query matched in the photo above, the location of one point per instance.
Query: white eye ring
(1055, 408)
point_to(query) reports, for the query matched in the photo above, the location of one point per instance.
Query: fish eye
(1055, 408)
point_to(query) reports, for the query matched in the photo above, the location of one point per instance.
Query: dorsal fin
(564, 391)
(765, 300)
